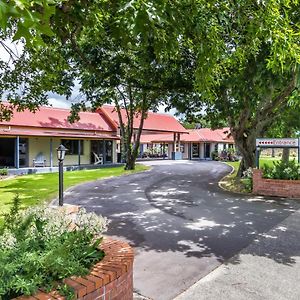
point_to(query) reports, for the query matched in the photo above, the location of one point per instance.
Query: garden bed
(275, 187)
(112, 278)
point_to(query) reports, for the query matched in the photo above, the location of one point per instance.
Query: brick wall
(110, 279)
(275, 187)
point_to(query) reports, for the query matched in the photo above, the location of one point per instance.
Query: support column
(51, 153)
(17, 152)
(257, 153)
(174, 142)
(79, 151)
(178, 141)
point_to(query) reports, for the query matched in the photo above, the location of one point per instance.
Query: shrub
(282, 170)
(247, 180)
(214, 155)
(42, 245)
(3, 172)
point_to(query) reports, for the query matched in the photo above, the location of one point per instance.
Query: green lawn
(38, 188)
(263, 161)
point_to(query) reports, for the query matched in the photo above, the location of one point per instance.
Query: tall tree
(123, 53)
(22, 86)
(288, 124)
(247, 64)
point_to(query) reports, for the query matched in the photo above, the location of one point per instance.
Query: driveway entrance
(180, 223)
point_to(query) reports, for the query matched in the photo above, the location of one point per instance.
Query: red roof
(57, 118)
(217, 135)
(153, 122)
(195, 135)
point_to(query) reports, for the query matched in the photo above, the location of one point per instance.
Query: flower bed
(275, 187)
(112, 278)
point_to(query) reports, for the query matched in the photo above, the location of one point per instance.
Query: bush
(42, 245)
(215, 155)
(3, 172)
(282, 170)
(247, 180)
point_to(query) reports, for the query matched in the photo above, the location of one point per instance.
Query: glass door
(195, 151)
(23, 152)
(207, 150)
(108, 152)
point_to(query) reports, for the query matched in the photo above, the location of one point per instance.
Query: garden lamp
(61, 152)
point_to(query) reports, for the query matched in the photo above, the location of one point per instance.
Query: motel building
(197, 144)
(29, 140)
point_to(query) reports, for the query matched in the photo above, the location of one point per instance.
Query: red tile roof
(153, 122)
(57, 118)
(217, 135)
(195, 135)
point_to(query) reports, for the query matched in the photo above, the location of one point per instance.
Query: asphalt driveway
(181, 224)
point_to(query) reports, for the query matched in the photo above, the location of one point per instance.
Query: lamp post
(61, 152)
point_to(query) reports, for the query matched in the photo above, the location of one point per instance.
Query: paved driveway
(180, 222)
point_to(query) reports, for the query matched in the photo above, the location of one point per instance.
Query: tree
(124, 53)
(288, 124)
(248, 65)
(21, 85)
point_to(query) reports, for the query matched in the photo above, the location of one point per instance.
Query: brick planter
(110, 279)
(275, 187)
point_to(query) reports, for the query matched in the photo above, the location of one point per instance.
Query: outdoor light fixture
(61, 152)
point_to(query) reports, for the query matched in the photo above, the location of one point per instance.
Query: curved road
(180, 222)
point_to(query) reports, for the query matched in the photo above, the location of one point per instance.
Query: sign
(277, 143)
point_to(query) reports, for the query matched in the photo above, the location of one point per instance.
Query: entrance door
(7, 152)
(23, 152)
(195, 151)
(207, 150)
(108, 152)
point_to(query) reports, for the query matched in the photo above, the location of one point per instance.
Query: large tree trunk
(286, 151)
(285, 154)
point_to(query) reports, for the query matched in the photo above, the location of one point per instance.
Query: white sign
(280, 143)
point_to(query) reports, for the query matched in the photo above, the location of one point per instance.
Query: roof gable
(153, 122)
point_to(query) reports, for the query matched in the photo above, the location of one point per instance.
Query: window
(73, 146)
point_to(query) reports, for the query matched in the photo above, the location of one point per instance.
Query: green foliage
(40, 247)
(215, 155)
(289, 170)
(3, 172)
(28, 19)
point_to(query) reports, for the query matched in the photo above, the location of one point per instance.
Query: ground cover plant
(42, 245)
(38, 188)
(288, 170)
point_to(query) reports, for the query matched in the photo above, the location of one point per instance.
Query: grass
(39, 188)
(234, 184)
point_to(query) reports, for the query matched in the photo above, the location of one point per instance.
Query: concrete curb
(223, 188)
